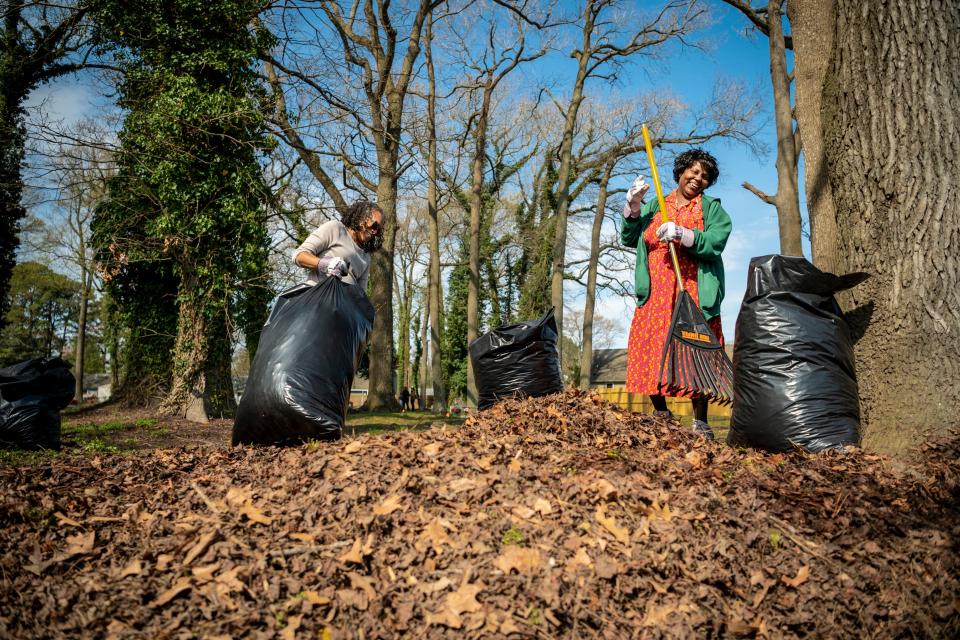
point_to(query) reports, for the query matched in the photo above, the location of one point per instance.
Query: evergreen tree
(455, 329)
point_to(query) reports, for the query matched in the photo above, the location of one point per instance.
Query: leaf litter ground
(559, 516)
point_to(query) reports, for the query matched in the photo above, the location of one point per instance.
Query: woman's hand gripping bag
(794, 379)
(300, 379)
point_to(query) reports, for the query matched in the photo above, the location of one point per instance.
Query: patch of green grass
(145, 423)
(98, 446)
(93, 429)
(534, 616)
(613, 453)
(18, 456)
(513, 535)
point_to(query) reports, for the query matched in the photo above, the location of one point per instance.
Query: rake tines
(694, 361)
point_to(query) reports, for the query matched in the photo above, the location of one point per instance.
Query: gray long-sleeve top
(332, 239)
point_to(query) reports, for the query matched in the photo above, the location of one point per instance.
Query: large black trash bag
(794, 381)
(299, 383)
(517, 360)
(32, 393)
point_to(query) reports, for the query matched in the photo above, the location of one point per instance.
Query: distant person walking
(414, 399)
(342, 248)
(404, 398)
(699, 227)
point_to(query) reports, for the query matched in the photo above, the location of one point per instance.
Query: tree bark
(563, 176)
(892, 145)
(435, 292)
(86, 284)
(586, 349)
(812, 25)
(788, 196)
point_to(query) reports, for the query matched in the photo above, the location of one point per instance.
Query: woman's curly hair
(358, 213)
(686, 159)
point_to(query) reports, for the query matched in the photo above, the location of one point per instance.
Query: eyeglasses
(373, 227)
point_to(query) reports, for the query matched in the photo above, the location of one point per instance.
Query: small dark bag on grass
(794, 381)
(299, 383)
(32, 393)
(517, 360)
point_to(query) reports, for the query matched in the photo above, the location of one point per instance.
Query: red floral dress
(651, 322)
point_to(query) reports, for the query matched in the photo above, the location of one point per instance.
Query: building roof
(609, 366)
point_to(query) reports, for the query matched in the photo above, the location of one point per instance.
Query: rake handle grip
(663, 204)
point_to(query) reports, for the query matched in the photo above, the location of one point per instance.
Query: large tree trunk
(473, 266)
(81, 342)
(892, 144)
(586, 350)
(812, 27)
(201, 386)
(381, 396)
(435, 293)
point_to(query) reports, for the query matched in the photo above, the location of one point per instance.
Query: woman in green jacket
(699, 227)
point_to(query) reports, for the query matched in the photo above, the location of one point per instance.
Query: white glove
(671, 231)
(332, 266)
(635, 195)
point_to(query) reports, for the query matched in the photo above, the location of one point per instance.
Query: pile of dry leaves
(556, 516)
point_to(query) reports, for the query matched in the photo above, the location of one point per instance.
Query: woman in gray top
(342, 247)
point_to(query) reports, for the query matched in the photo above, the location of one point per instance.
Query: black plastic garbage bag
(794, 381)
(299, 383)
(517, 360)
(32, 393)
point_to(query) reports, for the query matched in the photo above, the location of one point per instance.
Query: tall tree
(188, 180)
(40, 41)
(434, 284)
(491, 65)
(603, 46)
(82, 165)
(891, 142)
(769, 20)
(379, 44)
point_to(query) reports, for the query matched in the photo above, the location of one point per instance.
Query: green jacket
(707, 246)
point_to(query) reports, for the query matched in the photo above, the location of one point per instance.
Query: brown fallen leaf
(580, 559)
(524, 561)
(463, 600)
(314, 598)
(353, 447)
(434, 536)
(243, 502)
(303, 537)
(289, 632)
(134, 568)
(81, 543)
(622, 534)
(181, 585)
(358, 581)
(205, 573)
(802, 575)
(542, 506)
(388, 506)
(200, 546)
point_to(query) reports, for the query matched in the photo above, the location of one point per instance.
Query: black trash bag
(32, 393)
(517, 360)
(794, 380)
(299, 384)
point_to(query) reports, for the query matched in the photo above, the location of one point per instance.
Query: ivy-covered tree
(188, 199)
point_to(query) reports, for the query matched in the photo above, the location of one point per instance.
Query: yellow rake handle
(663, 205)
